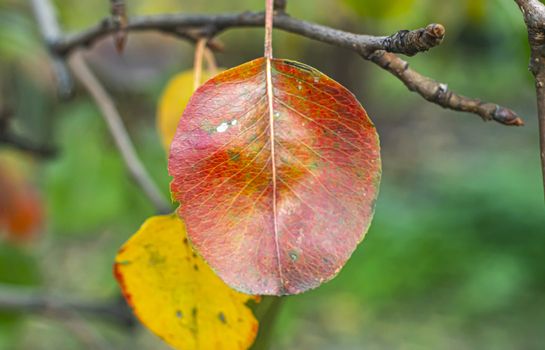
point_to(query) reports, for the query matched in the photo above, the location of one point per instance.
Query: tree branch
(534, 17)
(19, 142)
(23, 144)
(118, 131)
(439, 93)
(403, 42)
(51, 33)
(533, 12)
(20, 299)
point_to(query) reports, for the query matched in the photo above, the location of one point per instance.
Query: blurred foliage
(16, 35)
(380, 9)
(21, 207)
(17, 267)
(101, 193)
(454, 258)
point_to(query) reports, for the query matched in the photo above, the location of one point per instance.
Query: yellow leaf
(176, 295)
(172, 103)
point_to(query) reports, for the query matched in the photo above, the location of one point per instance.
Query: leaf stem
(197, 65)
(266, 312)
(210, 61)
(269, 12)
(269, 84)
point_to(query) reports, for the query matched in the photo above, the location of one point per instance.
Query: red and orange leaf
(176, 295)
(277, 196)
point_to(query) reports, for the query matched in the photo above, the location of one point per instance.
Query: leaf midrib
(270, 102)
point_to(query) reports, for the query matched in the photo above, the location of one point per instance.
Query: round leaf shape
(176, 295)
(277, 196)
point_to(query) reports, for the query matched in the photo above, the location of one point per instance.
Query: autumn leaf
(21, 207)
(172, 103)
(276, 189)
(176, 295)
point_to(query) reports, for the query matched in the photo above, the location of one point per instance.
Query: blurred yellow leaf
(176, 295)
(476, 10)
(380, 9)
(172, 103)
(156, 6)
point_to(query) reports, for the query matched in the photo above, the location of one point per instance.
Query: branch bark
(23, 144)
(111, 115)
(402, 42)
(534, 17)
(440, 94)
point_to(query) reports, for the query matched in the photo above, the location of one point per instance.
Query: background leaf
(21, 207)
(176, 295)
(283, 224)
(17, 267)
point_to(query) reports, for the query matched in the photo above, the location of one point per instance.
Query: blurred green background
(455, 257)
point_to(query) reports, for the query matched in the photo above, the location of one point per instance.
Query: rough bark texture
(534, 17)
(192, 27)
(440, 94)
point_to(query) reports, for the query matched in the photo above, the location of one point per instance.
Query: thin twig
(420, 39)
(440, 94)
(211, 64)
(403, 42)
(534, 17)
(23, 144)
(51, 32)
(78, 326)
(20, 299)
(8, 138)
(118, 131)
